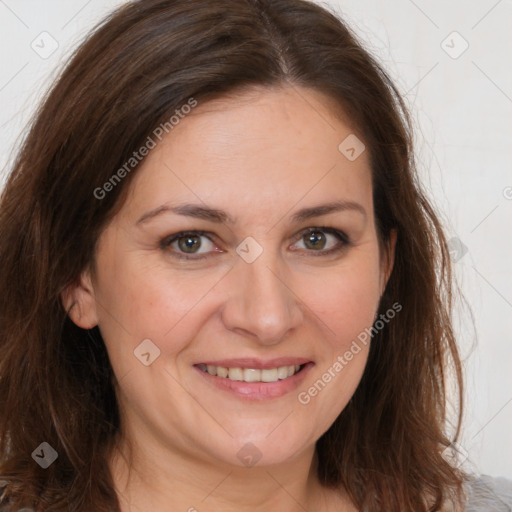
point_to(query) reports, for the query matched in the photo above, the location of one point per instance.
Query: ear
(388, 260)
(79, 302)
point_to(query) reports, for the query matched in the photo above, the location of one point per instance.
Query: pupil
(189, 243)
(313, 239)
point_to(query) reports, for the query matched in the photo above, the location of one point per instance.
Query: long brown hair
(144, 61)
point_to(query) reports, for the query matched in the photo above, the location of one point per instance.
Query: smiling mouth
(252, 374)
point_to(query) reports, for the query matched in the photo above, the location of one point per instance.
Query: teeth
(221, 371)
(282, 372)
(270, 375)
(252, 374)
(235, 374)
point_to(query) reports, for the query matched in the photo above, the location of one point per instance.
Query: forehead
(255, 149)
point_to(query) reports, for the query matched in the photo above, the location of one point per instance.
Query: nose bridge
(261, 303)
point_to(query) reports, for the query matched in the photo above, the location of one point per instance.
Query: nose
(261, 303)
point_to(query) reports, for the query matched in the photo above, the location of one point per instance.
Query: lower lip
(258, 390)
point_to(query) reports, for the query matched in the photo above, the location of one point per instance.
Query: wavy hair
(134, 70)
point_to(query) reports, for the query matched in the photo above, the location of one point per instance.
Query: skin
(260, 157)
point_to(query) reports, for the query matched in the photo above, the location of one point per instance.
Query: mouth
(251, 379)
(252, 374)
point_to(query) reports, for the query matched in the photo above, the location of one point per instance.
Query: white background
(462, 111)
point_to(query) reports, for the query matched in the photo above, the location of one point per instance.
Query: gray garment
(489, 494)
(484, 494)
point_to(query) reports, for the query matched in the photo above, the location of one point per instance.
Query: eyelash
(342, 237)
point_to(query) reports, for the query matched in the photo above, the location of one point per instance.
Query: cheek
(345, 299)
(139, 302)
(346, 304)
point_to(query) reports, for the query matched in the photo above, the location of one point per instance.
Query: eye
(197, 245)
(317, 240)
(189, 243)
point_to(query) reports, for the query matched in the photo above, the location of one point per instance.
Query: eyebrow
(220, 216)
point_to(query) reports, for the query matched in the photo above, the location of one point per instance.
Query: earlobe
(79, 302)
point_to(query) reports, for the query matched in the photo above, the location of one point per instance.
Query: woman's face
(248, 287)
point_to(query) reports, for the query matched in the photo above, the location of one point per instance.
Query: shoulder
(488, 494)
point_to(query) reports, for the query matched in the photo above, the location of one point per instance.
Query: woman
(223, 286)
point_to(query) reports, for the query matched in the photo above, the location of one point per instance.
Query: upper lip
(259, 364)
